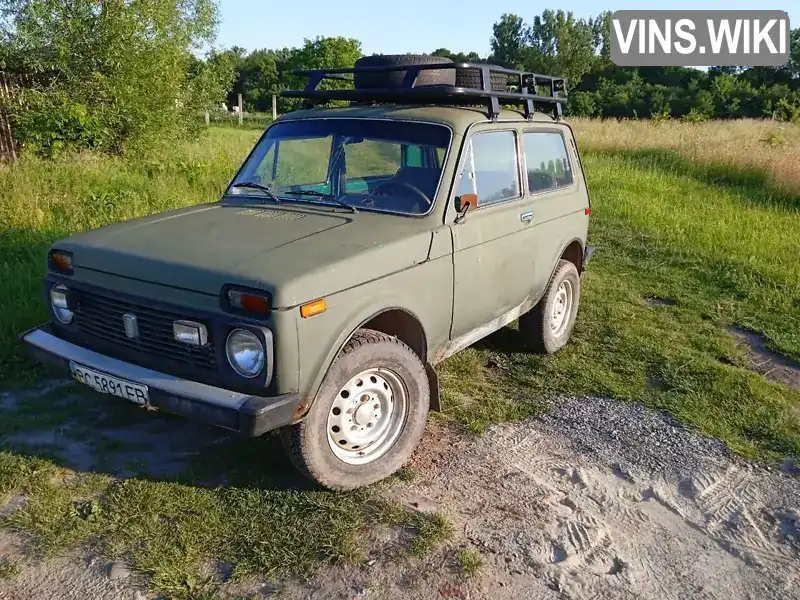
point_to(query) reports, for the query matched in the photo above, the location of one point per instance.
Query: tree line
(122, 75)
(558, 43)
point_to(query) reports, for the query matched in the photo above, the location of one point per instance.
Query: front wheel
(548, 326)
(368, 417)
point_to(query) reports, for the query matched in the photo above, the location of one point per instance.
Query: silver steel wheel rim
(562, 307)
(367, 416)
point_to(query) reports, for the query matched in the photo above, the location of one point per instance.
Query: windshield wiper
(257, 186)
(317, 194)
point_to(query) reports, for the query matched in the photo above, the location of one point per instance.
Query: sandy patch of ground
(598, 499)
(773, 366)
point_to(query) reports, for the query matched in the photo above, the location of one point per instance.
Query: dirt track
(597, 499)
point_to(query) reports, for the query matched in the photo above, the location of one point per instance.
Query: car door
(491, 249)
(557, 199)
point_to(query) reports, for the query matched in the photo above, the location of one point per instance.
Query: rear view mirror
(464, 204)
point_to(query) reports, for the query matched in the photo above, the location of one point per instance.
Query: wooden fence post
(274, 107)
(240, 110)
(207, 119)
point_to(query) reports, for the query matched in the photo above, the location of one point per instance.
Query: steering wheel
(404, 184)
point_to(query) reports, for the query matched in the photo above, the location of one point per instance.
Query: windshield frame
(289, 198)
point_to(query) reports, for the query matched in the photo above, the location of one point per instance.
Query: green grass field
(715, 232)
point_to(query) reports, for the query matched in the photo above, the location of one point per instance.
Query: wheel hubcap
(367, 416)
(562, 307)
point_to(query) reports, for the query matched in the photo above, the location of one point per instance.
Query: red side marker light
(249, 303)
(62, 261)
(587, 211)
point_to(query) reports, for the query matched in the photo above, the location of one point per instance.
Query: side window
(372, 158)
(412, 156)
(496, 173)
(415, 155)
(547, 161)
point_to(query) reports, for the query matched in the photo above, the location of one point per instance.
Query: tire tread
(292, 435)
(533, 323)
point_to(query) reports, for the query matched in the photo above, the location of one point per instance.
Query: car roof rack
(409, 93)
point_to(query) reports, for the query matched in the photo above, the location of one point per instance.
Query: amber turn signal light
(313, 308)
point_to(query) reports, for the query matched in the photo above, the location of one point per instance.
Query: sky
(413, 25)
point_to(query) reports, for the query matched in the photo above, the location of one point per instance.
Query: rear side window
(492, 166)
(547, 161)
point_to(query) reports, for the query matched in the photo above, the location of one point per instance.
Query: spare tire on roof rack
(366, 80)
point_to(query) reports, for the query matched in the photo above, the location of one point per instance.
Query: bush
(694, 116)
(115, 77)
(51, 123)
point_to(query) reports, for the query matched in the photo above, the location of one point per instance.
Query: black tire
(535, 325)
(306, 443)
(394, 79)
(471, 78)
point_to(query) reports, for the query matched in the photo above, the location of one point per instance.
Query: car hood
(296, 253)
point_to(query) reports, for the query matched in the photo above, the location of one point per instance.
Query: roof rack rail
(409, 93)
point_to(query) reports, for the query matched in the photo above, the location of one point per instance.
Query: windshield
(367, 164)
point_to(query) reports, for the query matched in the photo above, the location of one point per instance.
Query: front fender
(419, 291)
(314, 368)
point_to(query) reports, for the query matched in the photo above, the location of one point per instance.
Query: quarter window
(547, 161)
(492, 166)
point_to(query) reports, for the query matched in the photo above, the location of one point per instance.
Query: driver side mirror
(464, 204)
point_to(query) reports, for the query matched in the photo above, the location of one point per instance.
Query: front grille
(100, 317)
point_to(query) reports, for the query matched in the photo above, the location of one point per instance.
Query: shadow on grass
(750, 185)
(505, 341)
(23, 256)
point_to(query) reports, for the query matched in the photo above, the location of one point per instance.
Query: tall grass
(724, 195)
(766, 151)
(681, 210)
(41, 201)
(712, 226)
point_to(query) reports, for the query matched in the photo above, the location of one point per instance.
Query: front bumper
(243, 413)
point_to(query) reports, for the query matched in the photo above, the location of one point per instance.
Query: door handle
(526, 217)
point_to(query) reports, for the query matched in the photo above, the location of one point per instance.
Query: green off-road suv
(357, 246)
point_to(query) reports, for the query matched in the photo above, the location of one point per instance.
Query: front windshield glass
(368, 164)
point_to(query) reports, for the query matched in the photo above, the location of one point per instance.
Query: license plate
(107, 384)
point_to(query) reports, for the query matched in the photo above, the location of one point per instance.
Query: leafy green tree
(260, 79)
(323, 53)
(458, 56)
(583, 104)
(560, 44)
(601, 31)
(327, 53)
(109, 75)
(508, 41)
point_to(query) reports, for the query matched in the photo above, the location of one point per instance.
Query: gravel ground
(597, 499)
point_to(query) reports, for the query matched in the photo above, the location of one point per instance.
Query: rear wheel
(548, 326)
(368, 417)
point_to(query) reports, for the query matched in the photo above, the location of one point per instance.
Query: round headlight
(58, 300)
(245, 353)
